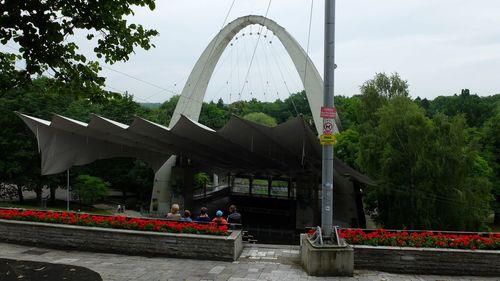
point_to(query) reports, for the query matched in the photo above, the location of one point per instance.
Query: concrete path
(258, 262)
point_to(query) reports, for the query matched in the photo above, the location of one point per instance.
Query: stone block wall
(427, 260)
(193, 246)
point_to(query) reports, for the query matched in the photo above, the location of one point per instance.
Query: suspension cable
(284, 82)
(256, 44)
(270, 73)
(307, 46)
(257, 61)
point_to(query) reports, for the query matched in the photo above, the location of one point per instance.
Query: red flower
(381, 237)
(120, 222)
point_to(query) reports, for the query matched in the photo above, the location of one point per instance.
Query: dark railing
(207, 190)
(277, 192)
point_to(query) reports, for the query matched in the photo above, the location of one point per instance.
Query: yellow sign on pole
(327, 139)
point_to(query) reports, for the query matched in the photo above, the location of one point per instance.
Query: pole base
(326, 260)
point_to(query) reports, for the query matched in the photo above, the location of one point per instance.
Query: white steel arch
(193, 93)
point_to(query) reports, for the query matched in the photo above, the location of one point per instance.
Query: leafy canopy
(430, 171)
(261, 118)
(89, 188)
(43, 32)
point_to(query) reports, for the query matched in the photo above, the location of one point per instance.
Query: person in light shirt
(174, 213)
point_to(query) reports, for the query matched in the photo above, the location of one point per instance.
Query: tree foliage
(430, 172)
(477, 110)
(213, 115)
(43, 32)
(261, 118)
(19, 157)
(347, 147)
(491, 142)
(201, 179)
(89, 188)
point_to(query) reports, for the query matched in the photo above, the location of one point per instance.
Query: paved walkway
(257, 262)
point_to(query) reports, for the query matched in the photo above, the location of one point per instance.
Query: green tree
(213, 116)
(491, 142)
(220, 103)
(166, 110)
(19, 158)
(297, 104)
(393, 160)
(460, 175)
(201, 179)
(42, 30)
(476, 109)
(89, 188)
(347, 109)
(430, 176)
(375, 94)
(347, 147)
(261, 118)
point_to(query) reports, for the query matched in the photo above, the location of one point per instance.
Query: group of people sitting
(232, 218)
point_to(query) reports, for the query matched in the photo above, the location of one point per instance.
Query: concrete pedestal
(326, 260)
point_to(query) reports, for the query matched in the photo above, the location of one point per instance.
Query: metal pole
(327, 171)
(67, 190)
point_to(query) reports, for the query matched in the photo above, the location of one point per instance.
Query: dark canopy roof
(241, 146)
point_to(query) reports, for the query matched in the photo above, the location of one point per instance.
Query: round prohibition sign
(328, 127)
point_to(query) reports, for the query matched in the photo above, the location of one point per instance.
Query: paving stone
(65, 260)
(223, 277)
(254, 270)
(120, 267)
(268, 258)
(252, 276)
(284, 266)
(217, 269)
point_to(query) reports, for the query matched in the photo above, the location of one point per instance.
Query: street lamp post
(328, 92)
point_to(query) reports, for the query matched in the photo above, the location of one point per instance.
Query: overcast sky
(439, 46)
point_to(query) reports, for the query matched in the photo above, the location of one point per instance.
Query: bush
(89, 188)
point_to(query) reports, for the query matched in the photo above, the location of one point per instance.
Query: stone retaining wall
(193, 246)
(427, 260)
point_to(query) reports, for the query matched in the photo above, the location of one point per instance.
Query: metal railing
(319, 240)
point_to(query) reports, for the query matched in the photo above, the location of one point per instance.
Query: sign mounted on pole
(328, 126)
(328, 112)
(327, 139)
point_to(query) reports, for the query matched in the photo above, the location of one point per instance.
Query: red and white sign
(328, 126)
(328, 112)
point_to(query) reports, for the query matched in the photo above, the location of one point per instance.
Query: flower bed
(425, 239)
(118, 222)
(119, 234)
(424, 252)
